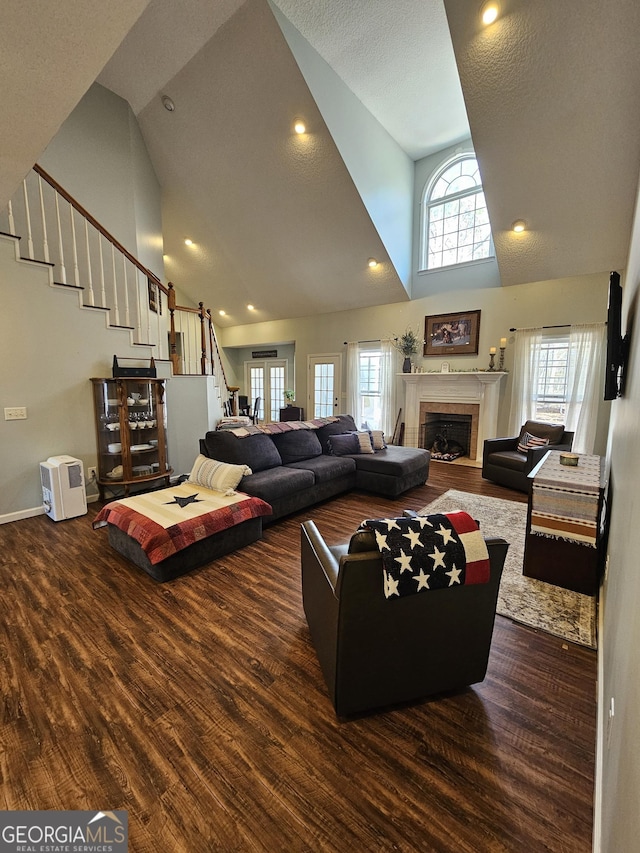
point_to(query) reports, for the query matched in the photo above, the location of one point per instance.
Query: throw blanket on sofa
(430, 552)
(281, 426)
(166, 521)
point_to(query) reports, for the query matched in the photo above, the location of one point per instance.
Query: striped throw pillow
(219, 476)
(527, 440)
(365, 442)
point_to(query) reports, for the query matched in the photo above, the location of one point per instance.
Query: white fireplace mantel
(479, 387)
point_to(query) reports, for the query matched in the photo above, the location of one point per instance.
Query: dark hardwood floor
(199, 707)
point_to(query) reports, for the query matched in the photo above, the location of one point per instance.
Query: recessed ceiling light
(222, 313)
(167, 103)
(372, 263)
(188, 242)
(299, 126)
(519, 226)
(489, 12)
(251, 308)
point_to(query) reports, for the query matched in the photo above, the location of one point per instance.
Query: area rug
(540, 605)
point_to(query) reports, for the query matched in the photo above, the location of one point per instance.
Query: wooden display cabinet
(131, 431)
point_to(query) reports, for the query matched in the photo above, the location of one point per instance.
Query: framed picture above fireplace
(453, 334)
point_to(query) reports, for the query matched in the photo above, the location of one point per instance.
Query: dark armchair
(503, 463)
(376, 652)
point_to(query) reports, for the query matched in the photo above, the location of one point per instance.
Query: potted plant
(289, 396)
(407, 343)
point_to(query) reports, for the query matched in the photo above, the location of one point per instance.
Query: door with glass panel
(266, 380)
(324, 385)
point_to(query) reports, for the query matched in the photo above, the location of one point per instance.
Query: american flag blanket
(430, 552)
(168, 520)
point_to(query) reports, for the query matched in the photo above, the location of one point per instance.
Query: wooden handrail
(85, 213)
(169, 290)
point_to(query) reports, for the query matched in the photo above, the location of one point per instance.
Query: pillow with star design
(219, 476)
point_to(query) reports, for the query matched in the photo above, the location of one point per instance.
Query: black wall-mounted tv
(616, 344)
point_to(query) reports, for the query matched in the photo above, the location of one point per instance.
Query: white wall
(380, 169)
(618, 818)
(99, 156)
(571, 300)
(50, 349)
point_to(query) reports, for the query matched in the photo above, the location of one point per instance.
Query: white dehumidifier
(63, 492)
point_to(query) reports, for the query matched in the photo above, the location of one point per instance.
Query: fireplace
(474, 393)
(446, 436)
(459, 419)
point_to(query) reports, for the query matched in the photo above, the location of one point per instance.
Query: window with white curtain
(371, 385)
(558, 377)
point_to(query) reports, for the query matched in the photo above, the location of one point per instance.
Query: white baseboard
(23, 513)
(33, 511)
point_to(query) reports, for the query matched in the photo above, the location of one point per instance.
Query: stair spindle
(74, 248)
(12, 224)
(116, 309)
(28, 219)
(103, 292)
(45, 242)
(127, 316)
(63, 271)
(89, 273)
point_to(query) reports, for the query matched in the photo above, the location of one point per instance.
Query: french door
(324, 385)
(266, 380)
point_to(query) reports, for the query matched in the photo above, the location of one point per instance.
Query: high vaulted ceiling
(550, 92)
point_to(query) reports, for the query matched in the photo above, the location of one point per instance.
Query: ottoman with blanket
(171, 531)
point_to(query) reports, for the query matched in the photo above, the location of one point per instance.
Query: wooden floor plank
(199, 707)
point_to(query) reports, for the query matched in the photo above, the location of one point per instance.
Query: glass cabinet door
(131, 431)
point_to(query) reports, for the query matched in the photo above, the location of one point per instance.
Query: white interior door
(324, 384)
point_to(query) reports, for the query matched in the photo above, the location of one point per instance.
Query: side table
(292, 413)
(563, 538)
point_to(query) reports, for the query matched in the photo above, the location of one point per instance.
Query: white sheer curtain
(585, 378)
(585, 374)
(526, 360)
(353, 382)
(387, 385)
(388, 388)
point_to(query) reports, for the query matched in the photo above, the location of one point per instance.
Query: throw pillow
(219, 476)
(364, 441)
(343, 444)
(377, 439)
(527, 441)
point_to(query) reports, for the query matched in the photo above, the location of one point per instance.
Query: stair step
(64, 284)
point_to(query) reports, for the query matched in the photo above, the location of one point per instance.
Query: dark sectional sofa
(296, 469)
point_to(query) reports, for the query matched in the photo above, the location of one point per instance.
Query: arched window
(456, 226)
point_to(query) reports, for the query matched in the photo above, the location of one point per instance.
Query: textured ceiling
(550, 92)
(39, 89)
(552, 97)
(397, 59)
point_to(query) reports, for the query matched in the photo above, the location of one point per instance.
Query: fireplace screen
(446, 436)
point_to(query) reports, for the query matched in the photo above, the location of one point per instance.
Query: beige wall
(571, 300)
(617, 813)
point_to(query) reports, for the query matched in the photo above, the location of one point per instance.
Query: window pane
(276, 378)
(463, 216)
(323, 390)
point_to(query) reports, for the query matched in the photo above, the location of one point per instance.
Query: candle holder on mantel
(492, 364)
(501, 359)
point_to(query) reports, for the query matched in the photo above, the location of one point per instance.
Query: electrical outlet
(15, 413)
(92, 474)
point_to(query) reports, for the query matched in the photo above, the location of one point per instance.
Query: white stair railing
(123, 287)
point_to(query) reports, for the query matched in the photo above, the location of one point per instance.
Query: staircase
(55, 230)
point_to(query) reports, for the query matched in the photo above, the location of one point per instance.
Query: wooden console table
(563, 539)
